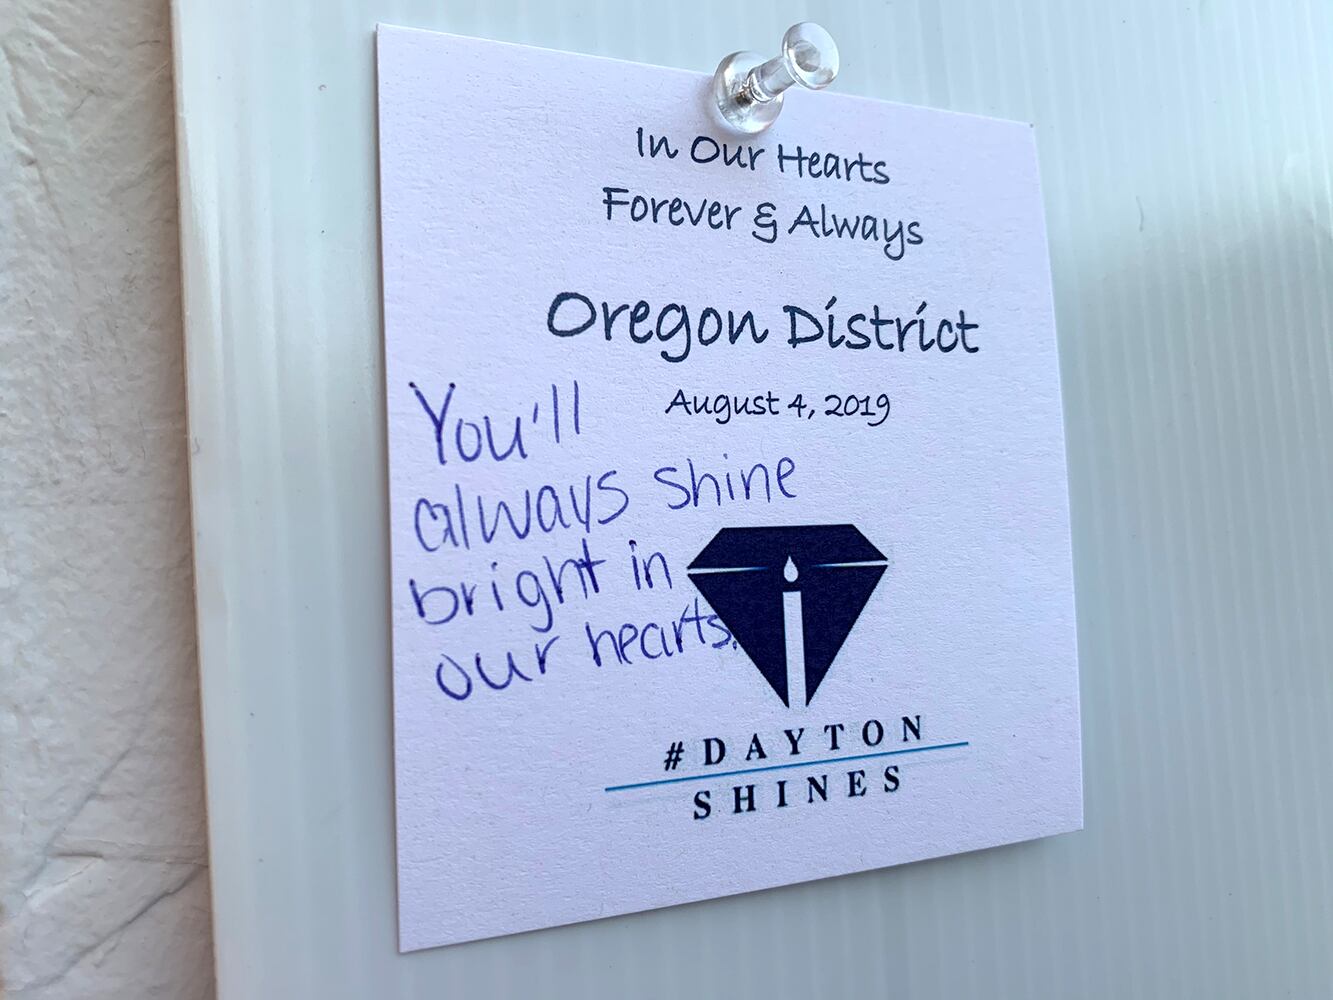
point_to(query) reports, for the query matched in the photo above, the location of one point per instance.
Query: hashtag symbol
(674, 754)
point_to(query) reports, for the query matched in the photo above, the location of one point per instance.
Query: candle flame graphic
(789, 572)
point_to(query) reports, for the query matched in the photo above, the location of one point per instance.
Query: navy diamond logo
(789, 593)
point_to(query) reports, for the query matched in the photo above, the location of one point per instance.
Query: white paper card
(727, 480)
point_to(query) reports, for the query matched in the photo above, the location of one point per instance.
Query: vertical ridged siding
(1185, 156)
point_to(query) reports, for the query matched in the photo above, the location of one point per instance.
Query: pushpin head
(747, 91)
(810, 55)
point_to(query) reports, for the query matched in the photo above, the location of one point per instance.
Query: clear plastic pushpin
(747, 91)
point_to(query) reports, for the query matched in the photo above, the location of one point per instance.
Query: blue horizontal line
(782, 767)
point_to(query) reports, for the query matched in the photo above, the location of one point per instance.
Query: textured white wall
(103, 884)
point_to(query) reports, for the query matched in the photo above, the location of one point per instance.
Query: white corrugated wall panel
(1185, 154)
